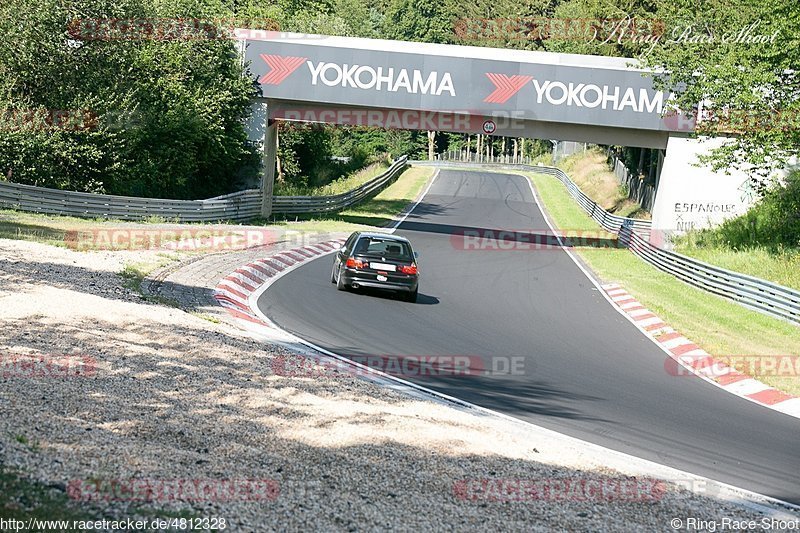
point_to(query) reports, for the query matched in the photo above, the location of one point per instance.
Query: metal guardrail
(326, 204)
(242, 205)
(751, 292)
(755, 293)
(472, 157)
(608, 221)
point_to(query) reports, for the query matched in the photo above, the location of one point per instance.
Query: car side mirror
(416, 255)
(342, 249)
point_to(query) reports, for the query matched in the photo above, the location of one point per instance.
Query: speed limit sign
(489, 126)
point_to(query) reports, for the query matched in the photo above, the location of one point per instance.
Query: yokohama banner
(604, 93)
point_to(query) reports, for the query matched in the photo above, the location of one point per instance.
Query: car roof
(387, 236)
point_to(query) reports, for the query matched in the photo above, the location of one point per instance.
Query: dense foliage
(163, 117)
(166, 115)
(739, 59)
(743, 60)
(774, 222)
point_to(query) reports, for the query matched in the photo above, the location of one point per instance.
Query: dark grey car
(377, 260)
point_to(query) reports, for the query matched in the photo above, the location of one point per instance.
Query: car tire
(340, 284)
(333, 273)
(412, 296)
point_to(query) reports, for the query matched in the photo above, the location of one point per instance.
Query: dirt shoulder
(172, 396)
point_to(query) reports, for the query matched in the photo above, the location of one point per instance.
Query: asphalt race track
(588, 372)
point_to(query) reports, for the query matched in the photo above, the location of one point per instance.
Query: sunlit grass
(378, 211)
(339, 186)
(590, 171)
(779, 266)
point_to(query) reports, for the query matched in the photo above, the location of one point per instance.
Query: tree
(736, 58)
(620, 28)
(168, 113)
(717, 64)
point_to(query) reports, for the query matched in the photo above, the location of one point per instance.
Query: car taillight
(355, 263)
(408, 269)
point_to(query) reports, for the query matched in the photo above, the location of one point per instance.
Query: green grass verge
(377, 211)
(339, 186)
(781, 267)
(78, 233)
(719, 326)
(23, 499)
(47, 229)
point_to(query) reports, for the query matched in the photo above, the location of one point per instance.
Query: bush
(56, 160)
(773, 222)
(314, 155)
(169, 113)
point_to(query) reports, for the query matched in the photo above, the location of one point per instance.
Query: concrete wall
(693, 197)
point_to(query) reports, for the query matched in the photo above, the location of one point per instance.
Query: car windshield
(389, 249)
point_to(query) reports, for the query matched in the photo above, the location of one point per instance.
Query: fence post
(624, 235)
(268, 161)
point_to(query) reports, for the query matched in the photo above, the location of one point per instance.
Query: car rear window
(377, 247)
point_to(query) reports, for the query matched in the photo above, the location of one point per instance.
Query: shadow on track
(500, 237)
(422, 299)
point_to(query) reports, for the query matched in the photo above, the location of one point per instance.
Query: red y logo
(505, 87)
(281, 67)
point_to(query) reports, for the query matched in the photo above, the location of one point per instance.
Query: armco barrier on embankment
(337, 202)
(754, 293)
(240, 206)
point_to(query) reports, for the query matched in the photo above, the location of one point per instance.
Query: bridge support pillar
(268, 167)
(693, 197)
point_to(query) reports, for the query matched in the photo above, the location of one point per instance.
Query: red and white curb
(695, 360)
(233, 292)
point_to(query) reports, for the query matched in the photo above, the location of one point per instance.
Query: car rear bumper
(408, 284)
